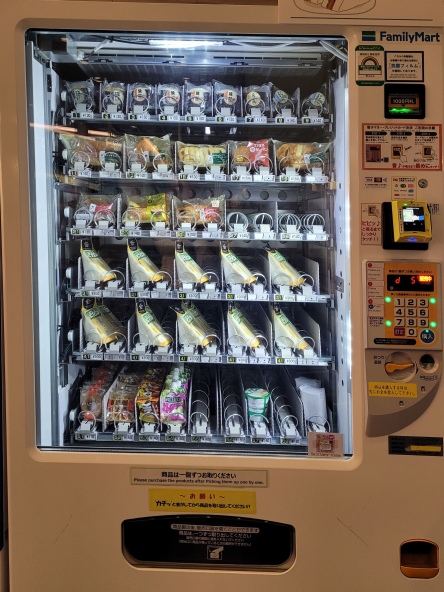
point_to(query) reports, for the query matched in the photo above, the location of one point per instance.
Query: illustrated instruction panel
(406, 147)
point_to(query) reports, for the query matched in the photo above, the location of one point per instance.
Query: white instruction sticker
(198, 476)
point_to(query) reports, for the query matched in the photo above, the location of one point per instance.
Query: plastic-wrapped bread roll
(187, 269)
(284, 330)
(282, 272)
(234, 270)
(94, 267)
(141, 266)
(150, 330)
(99, 323)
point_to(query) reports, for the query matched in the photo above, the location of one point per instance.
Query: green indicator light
(404, 110)
(388, 323)
(433, 324)
(432, 300)
(388, 299)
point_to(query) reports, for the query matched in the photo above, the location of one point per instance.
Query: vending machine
(222, 281)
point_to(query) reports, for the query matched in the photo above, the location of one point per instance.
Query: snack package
(94, 208)
(257, 100)
(146, 153)
(148, 209)
(148, 395)
(141, 99)
(235, 271)
(188, 271)
(80, 96)
(252, 155)
(174, 397)
(94, 153)
(141, 267)
(93, 391)
(201, 156)
(281, 100)
(316, 101)
(239, 326)
(282, 272)
(169, 99)
(227, 99)
(150, 330)
(198, 99)
(285, 332)
(94, 267)
(302, 157)
(113, 96)
(99, 323)
(200, 212)
(121, 406)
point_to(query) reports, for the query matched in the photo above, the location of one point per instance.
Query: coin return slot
(419, 559)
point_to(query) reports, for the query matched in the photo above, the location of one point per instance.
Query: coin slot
(428, 363)
(419, 559)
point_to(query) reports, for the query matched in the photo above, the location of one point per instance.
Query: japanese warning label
(404, 65)
(392, 389)
(401, 147)
(198, 476)
(198, 500)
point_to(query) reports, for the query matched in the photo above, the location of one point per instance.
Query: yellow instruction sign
(392, 389)
(202, 501)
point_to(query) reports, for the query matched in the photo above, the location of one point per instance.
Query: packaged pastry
(200, 212)
(316, 101)
(201, 156)
(281, 100)
(198, 99)
(150, 330)
(93, 391)
(148, 209)
(113, 97)
(193, 329)
(141, 98)
(188, 271)
(93, 153)
(300, 156)
(241, 327)
(121, 406)
(285, 332)
(80, 96)
(252, 155)
(141, 267)
(99, 323)
(256, 100)
(94, 267)
(169, 99)
(95, 208)
(146, 153)
(174, 397)
(235, 271)
(281, 271)
(227, 99)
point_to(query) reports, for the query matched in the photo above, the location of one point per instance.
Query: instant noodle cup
(257, 402)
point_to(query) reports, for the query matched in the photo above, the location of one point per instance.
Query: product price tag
(265, 235)
(290, 441)
(149, 437)
(136, 175)
(115, 357)
(82, 115)
(263, 178)
(215, 177)
(237, 360)
(189, 177)
(290, 178)
(313, 120)
(266, 440)
(140, 294)
(191, 234)
(243, 178)
(118, 116)
(82, 437)
(84, 173)
(92, 357)
(114, 293)
(239, 235)
(203, 439)
(170, 438)
(260, 360)
(110, 174)
(174, 117)
(196, 118)
(256, 119)
(234, 440)
(163, 358)
(139, 116)
(241, 296)
(123, 437)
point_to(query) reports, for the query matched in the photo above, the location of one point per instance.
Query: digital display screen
(413, 219)
(411, 283)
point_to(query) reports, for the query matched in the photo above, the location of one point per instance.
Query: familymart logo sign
(402, 37)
